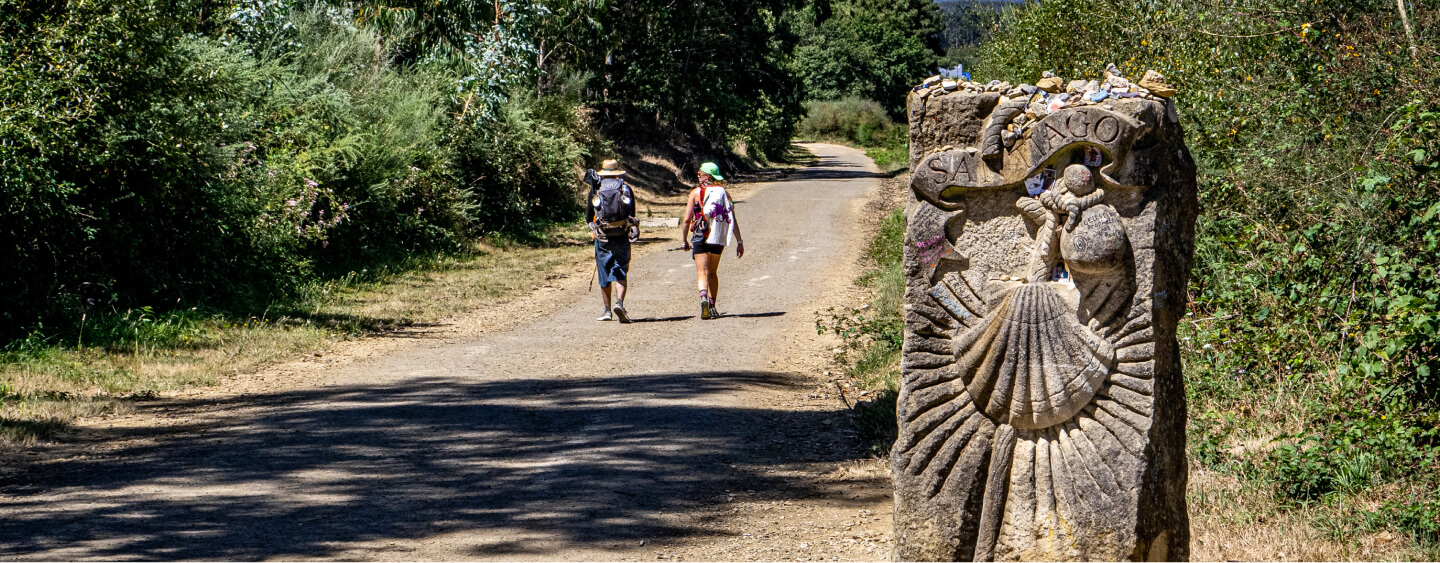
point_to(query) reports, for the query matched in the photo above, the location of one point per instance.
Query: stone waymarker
(661, 222)
(1048, 247)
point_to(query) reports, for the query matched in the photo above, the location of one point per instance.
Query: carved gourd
(1098, 243)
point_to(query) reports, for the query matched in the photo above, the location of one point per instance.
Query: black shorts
(699, 246)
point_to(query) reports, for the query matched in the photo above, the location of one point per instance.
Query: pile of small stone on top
(1051, 93)
(1054, 91)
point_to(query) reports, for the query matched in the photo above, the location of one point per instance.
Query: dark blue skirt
(612, 258)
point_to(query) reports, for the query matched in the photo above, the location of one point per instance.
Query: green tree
(717, 67)
(876, 49)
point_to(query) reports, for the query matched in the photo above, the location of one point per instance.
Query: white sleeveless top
(718, 210)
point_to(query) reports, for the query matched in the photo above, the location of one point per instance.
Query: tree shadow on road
(833, 168)
(588, 462)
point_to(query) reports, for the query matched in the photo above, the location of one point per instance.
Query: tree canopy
(875, 49)
(228, 153)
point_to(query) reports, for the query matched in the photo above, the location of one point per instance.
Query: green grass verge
(872, 335)
(889, 159)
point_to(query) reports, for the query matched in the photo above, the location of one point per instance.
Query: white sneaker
(605, 317)
(620, 314)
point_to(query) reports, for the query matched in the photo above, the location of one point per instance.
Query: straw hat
(610, 168)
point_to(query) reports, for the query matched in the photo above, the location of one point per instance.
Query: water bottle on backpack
(613, 207)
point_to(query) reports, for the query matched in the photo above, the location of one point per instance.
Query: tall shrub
(151, 157)
(520, 170)
(853, 120)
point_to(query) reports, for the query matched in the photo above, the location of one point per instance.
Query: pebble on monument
(1042, 408)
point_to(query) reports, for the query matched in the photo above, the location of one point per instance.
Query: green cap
(711, 169)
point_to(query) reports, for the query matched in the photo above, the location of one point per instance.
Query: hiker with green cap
(710, 222)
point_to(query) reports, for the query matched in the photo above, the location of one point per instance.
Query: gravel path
(556, 437)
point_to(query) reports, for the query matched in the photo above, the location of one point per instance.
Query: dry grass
(453, 286)
(44, 388)
(1230, 521)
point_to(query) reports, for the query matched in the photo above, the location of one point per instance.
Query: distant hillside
(966, 21)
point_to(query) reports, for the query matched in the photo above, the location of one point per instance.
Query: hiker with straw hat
(710, 226)
(611, 216)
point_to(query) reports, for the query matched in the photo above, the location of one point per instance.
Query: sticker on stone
(1059, 273)
(1035, 184)
(1040, 183)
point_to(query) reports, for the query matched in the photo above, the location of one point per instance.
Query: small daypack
(611, 202)
(700, 225)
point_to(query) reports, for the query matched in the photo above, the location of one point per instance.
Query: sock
(704, 295)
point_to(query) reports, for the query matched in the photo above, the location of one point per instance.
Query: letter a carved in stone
(1042, 409)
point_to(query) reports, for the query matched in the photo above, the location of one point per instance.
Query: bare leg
(712, 276)
(702, 281)
(605, 295)
(619, 293)
(702, 269)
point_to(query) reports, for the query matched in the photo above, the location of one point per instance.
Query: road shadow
(752, 315)
(662, 319)
(299, 474)
(832, 168)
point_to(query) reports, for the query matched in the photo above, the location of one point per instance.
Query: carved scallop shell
(1030, 363)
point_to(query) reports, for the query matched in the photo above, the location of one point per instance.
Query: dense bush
(858, 122)
(1317, 132)
(852, 119)
(523, 169)
(152, 158)
(117, 137)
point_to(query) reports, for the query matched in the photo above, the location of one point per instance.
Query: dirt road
(556, 437)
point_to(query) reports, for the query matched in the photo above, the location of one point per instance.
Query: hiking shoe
(714, 313)
(705, 309)
(604, 317)
(620, 314)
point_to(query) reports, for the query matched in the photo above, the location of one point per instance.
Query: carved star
(944, 253)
